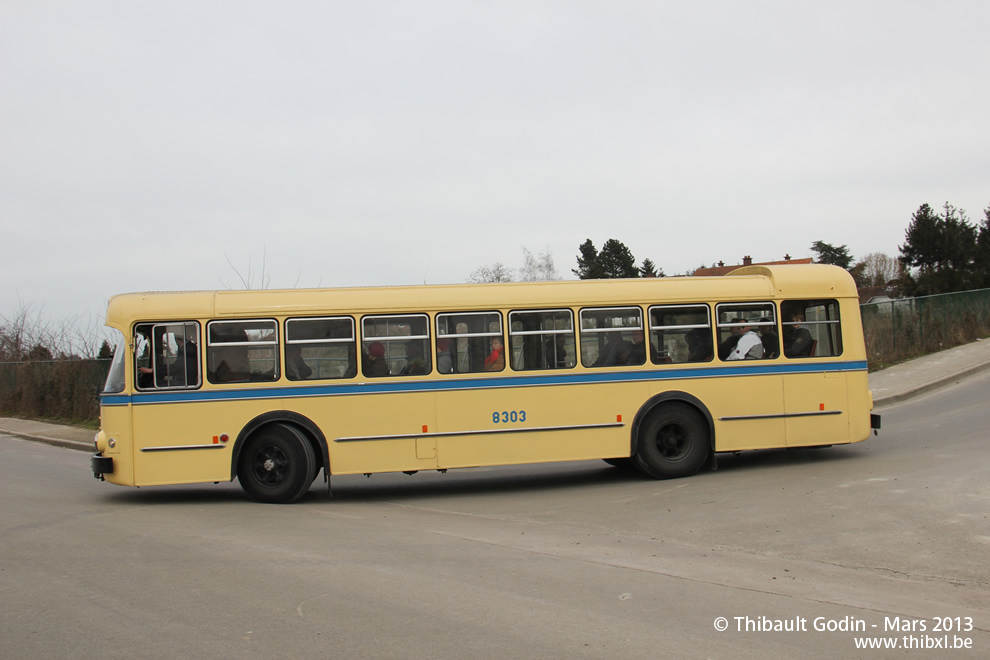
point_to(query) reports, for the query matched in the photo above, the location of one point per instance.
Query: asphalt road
(558, 561)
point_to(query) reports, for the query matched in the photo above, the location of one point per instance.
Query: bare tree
(248, 278)
(538, 267)
(28, 335)
(877, 269)
(497, 272)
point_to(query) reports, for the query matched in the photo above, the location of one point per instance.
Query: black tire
(277, 465)
(673, 442)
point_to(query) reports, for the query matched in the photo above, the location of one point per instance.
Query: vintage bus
(271, 387)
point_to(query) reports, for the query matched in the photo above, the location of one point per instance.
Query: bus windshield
(115, 379)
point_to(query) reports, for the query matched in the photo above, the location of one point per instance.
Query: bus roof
(746, 283)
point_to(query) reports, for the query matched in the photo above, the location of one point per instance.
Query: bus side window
(612, 337)
(396, 345)
(167, 355)
(320, 348)
(465, 342)
(542, 339)
(811, 328)
(751, 321)
(681, 333)
(242, 351)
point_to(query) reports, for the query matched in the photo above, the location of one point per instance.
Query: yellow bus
(271, 387)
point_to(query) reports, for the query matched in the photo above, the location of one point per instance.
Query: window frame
(690, 326)
(592, 332)
(352, 340)
(752, 304)
(275, 343)
(366, 339)
(572, 331)
(466, 335)
(153, 363)
(836, 322)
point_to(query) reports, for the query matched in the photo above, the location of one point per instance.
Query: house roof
(725, 270)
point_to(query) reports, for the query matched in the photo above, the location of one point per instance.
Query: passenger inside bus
(699, 343)
(637, 349)
(797, 338)
(771, 344)
(748, 346)
(445, 363)
(735, 332)
(496, 359)
(375, 364)
(415, 364)
(295, 366)
(556, 354)
(615, 351)
(231, 361)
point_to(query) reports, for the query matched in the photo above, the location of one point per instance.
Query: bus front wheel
(673, 442)
(277, 465)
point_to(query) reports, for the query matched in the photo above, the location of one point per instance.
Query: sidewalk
(909, 379)
(889, 386)
(70, 437)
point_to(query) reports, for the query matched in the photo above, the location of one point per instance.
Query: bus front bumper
(101, 465)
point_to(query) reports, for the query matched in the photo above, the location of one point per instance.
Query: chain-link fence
(64, 390)
(896, 330)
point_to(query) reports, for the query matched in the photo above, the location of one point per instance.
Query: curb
(928, 387)
(56, 442)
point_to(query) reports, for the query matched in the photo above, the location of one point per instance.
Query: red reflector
(216, 440)
(425, 428)
(618, 418)
(821, 406)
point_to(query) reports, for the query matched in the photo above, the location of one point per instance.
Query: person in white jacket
(749, 347)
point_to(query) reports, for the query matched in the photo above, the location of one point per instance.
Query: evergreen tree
(943, 248)
(613, 262)
(616, 261)
(649, 269)
(106, 351)
(829, 254)
(587, 262)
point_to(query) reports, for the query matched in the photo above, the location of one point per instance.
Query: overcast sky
(145, 144)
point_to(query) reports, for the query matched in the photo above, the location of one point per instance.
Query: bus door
(167, 366)
(749, 390)
(815, 399)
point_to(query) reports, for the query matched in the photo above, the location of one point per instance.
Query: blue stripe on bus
(391, 387)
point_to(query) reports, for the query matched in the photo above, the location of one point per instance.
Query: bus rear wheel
(673, 442)
(277, 465)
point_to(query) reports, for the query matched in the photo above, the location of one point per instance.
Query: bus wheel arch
(672, 436)
(300, 423)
